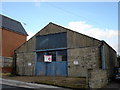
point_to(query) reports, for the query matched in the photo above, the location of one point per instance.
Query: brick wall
(11, 41)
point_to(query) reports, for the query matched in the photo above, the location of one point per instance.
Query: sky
(95, 19)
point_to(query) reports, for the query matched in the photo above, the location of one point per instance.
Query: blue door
(51, 69)
(41, 68)
(58, 66)
(61, 68)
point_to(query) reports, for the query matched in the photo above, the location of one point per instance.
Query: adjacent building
(58, 51)
(12, 35)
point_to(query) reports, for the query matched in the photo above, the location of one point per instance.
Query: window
(60, 55)
(40, 57)
(53, 53)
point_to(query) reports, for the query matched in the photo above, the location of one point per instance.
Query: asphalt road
(7, 87)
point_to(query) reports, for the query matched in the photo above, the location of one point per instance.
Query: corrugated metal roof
(12, 25)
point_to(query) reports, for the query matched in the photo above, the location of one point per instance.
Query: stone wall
(97, 78)
(76, 40)
(82, 59)
(25, 63)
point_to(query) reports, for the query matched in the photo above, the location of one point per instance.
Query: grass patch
(5, 74)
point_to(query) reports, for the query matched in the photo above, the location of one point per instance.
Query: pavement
(28, 85)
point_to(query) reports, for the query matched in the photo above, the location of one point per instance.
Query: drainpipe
(102, 54)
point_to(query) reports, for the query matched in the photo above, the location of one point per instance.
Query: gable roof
(12, 25)
(79, 33)
(83, 35)
(64, 29)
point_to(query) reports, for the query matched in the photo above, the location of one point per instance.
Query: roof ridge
(10, 18)
(74, 31)
(12, 25)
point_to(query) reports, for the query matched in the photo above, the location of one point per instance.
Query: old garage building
(72, 54)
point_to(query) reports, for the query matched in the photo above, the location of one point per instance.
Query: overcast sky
(96, 19)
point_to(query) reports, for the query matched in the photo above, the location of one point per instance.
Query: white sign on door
(47, 58)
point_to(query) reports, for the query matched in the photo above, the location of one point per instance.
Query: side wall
(87, 58)
(11, 41)
(111, 60)
(25, 58)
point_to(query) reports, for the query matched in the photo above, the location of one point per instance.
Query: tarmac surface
(18, 85)
(8, 87)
